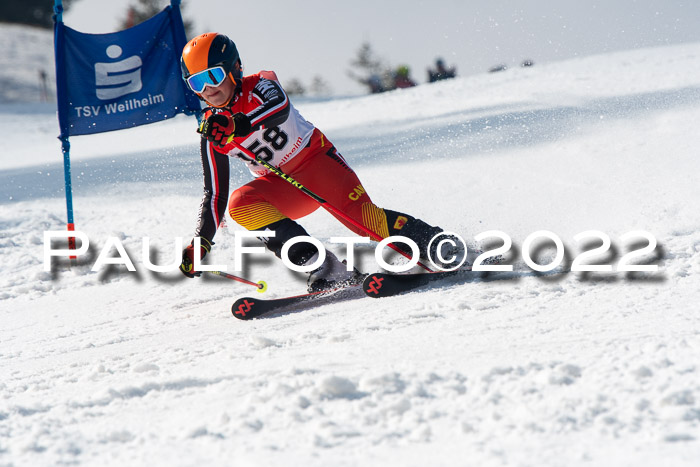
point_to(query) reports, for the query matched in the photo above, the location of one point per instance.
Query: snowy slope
(117, 368)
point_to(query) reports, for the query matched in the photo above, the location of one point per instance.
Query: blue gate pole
(65, 142)
(65, 148)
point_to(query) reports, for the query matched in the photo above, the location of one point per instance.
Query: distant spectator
(374, 82)
(402, 77)
(441, 72)
(44, 80)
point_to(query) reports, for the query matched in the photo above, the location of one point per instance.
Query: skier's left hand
(187, 265)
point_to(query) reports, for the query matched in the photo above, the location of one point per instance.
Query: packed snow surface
(112, 367)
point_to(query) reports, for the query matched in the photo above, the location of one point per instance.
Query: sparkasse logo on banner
(120, 78)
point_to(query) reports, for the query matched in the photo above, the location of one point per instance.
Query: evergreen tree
(367, 60)
(320, 87)
(145, 9)
(370, 70)
(30, 12)
(294, 87)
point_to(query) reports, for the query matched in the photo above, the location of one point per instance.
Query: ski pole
(279, 172)
(261, 285)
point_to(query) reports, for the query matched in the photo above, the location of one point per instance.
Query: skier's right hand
(217, 128)
(187, 265)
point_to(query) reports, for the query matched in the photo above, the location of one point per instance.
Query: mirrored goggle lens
(211, 77)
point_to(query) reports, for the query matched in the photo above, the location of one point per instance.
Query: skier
(402, 79)
(441, 72)
(255, 113)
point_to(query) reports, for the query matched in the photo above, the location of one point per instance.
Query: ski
(247, 308)
(381, 285)
(386, 285)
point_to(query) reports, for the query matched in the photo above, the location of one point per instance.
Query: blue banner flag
(121, 80)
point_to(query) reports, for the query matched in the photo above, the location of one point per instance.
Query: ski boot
(332, 274)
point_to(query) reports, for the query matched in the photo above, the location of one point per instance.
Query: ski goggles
(210, 77)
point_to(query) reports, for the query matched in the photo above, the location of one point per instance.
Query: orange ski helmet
(208, 51)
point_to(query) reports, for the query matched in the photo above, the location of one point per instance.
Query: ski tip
(262, 286)
(242, 307)
(372, 284)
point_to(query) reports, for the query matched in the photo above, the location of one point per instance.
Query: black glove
(221, 128)
(187, 265)
(241, 125)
